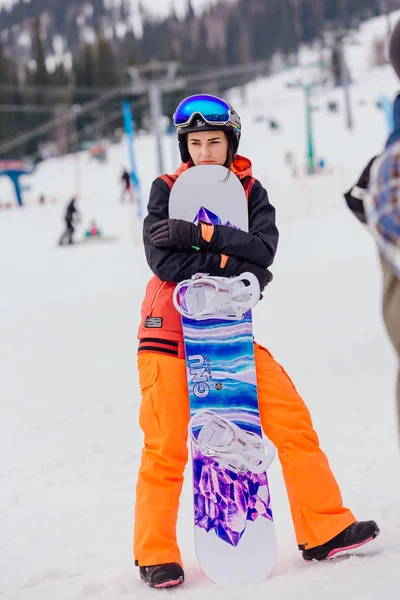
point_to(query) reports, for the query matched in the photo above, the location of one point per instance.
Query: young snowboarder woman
(209, 132)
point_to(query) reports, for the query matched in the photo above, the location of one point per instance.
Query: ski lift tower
(336, 36)
(157, 77)
(308, 83)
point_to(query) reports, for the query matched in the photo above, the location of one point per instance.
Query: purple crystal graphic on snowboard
(225, 501)
(206, 216)
(209, 218)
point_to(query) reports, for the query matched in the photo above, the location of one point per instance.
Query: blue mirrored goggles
(213, 110)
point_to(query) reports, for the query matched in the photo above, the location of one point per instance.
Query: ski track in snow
(70, 441)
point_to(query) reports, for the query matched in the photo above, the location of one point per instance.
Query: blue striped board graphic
(234, 530)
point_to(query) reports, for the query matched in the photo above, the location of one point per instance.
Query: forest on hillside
(56, 54)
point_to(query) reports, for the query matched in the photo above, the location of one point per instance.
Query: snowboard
(234, 530)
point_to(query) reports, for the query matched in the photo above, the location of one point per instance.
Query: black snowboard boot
(356, 535)
(162, 576)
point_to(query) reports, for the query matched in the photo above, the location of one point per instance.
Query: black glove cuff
(197, 240)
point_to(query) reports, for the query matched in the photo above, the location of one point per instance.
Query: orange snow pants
(315, 500)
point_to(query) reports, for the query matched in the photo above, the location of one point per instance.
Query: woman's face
(208, 147)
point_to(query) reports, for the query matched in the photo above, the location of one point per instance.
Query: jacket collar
(242, 167)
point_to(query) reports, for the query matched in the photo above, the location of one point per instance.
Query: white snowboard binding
(204, 297)
(234, 448)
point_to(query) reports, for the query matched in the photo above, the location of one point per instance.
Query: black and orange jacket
(160, 328)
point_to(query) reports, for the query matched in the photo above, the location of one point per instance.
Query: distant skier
(375, 200)
(126, 187)
(72, 217)
(209, 132)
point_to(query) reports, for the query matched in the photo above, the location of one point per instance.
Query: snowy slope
(69, 436)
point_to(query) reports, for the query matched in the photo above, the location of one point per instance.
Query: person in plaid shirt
(375, 201)
(382, 200)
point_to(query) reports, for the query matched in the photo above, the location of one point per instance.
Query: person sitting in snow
(93, 230)
(323, 525)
